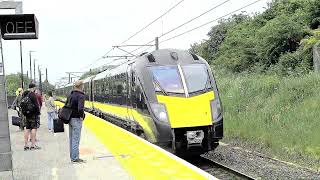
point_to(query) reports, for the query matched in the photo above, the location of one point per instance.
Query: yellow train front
(168, 96)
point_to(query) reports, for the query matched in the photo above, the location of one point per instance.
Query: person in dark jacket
(31, 121)
(16, 105)
(76, 100)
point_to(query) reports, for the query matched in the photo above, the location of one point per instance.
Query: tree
(278, 38)
(13, 82)
(46, 87)
(280, 35)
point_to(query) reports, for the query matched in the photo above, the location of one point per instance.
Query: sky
(73, 34)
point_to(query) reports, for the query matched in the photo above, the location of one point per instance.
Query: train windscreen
(167, 79)
(196, 77)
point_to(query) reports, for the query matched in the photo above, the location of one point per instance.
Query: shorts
(32, 122)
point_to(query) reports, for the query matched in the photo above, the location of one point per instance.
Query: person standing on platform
(76, 100)
(51, 109)
(31, 119)
(16, 106)
(40, 100)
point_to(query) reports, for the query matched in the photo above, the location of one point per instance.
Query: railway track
(218, 170)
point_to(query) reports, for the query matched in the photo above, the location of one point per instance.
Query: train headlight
(159, 111)
(216, 109)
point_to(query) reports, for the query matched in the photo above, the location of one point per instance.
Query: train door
(130, 85)
(91, 97)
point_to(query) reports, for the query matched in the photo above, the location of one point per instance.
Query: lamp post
(34, 70)
(40, 79)
(30, 64)
(22, 83)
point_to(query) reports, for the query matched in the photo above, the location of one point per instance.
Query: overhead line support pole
(21, 64)
(157, 43)
(30, 65)
(34, 70)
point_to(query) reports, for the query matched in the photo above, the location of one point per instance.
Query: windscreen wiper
(158, 84)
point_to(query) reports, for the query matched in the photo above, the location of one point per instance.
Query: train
(168, 97)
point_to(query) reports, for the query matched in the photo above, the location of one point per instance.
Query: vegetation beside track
(264, 69)
(279, 113)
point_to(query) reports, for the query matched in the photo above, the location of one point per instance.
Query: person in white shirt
(51, 109)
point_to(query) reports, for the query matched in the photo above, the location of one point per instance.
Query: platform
(53, 162)
(110, 152)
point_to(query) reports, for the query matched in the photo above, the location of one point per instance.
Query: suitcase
(16, 120)
(58, 125)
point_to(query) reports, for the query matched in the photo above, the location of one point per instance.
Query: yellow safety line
(138, 158)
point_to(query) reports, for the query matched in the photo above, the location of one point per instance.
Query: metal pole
(47, 74)
(28, 74)
(157, 43)
(30, 66)
(21, 62)
(40, 81)
(34, 70)
(2, 60)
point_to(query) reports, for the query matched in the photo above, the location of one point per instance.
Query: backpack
(28, 108)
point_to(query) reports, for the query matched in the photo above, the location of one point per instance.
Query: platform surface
(53, 162)
(110, 152)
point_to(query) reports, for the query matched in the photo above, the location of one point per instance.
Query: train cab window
(168, 79)
(197, 78)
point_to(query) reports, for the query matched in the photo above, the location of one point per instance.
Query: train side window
(119, 88)
(133, 79)
(142, 104)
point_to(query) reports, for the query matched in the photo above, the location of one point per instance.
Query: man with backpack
(30, 109)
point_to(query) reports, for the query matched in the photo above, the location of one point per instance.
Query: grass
(283, 114)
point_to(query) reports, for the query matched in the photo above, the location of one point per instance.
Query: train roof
(160, 56)
(110, 72)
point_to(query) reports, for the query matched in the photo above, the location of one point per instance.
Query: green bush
(278, 39)
(281, 113)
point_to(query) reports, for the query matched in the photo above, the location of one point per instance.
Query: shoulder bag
(65, 112)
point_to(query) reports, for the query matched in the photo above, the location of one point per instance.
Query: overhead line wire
(187, 22)
(102, 57)
(137, 33)
(152, 22)
(210, 21)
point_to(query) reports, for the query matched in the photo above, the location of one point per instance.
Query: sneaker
(35, 147)
(78, 161)
(26, 148)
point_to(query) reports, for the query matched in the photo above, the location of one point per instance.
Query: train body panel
(188, 112)
(127, 114)
(169, 96)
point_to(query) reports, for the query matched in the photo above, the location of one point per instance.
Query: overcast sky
(74, 33)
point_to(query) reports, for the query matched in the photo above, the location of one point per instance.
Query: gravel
(258, 165)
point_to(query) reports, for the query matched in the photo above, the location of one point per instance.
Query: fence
(5, 145)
